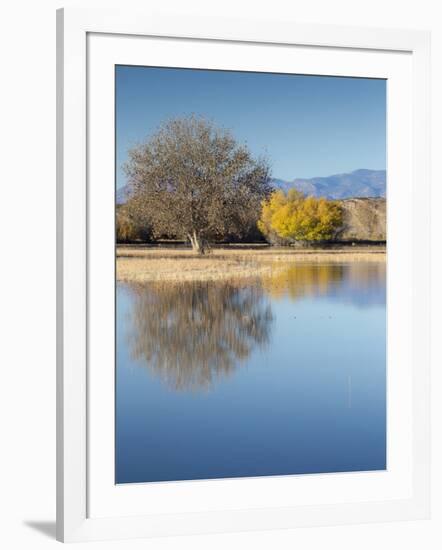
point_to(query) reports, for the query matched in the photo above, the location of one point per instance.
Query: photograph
(250, 274)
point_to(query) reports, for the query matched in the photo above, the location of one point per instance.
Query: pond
(277, 375)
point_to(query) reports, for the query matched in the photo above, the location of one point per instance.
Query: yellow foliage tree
(295, 217)
(270, 208)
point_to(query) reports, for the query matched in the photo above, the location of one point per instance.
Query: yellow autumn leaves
(291, 216)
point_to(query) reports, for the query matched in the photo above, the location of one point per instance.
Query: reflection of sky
(370, 292)
(311, 400)
(348, 293)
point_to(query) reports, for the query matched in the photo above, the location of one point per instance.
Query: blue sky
(306, 125)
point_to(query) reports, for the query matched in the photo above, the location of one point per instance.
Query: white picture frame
(88, 508)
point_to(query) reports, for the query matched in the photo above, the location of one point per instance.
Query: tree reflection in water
(192, 333)
(359, 283)
(303, 279)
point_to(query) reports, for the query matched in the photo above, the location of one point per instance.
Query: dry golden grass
(179, 264)
(186, 269)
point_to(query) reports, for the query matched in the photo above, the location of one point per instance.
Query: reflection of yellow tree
(360, 283)
(191, 333)
(303, 280)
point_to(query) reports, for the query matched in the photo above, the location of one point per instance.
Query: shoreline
(141, 263)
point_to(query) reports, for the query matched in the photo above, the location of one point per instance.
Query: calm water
(276, 376)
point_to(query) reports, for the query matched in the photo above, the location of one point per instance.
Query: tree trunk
(196, 242)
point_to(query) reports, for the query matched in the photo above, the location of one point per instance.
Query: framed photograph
(237, 350)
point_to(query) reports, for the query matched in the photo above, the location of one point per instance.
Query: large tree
(194, 181)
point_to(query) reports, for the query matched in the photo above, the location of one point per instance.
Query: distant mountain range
(360, 183)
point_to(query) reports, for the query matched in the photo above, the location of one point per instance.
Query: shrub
(128, 228)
